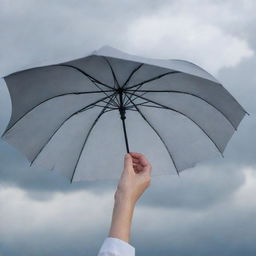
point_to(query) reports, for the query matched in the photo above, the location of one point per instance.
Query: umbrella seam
(181, 92)
(84, 73)
(154, 78)
(92, 79)
(112, 71)
(149, 80)
(131, 74)
(179, 112)
(60, 95)
(87, 136)
(77, 112)
(154, 129)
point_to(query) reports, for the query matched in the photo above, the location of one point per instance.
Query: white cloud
(73, 221)
(192, 32)
(210, 33)
(21, 215)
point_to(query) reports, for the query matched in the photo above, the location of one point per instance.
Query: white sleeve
(116, 247)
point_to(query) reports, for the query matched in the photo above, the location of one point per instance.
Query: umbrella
(80, 117)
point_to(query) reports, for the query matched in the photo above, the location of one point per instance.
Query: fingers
(140, 162)
(138, 168)
(139, 158)
(135, 154)
(127, 161)
(136, 159)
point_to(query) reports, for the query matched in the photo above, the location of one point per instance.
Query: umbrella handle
(123, 117)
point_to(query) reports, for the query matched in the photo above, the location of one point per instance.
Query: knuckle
(147, 180)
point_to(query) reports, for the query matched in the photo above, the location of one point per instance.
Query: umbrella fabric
(81, 116)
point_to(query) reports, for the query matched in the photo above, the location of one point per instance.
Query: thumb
(127, 161)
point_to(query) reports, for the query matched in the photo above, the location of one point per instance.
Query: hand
(135, 178)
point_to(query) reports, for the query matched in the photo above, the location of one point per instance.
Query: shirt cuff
(117, 247)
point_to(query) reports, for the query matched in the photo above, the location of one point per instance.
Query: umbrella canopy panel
(81, 116)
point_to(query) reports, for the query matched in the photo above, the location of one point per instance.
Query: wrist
(122, 198)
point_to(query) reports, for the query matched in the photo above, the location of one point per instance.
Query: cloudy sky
(210, 209)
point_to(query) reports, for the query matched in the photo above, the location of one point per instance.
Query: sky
(210, 209)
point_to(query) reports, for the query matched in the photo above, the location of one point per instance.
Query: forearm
(134, 179)
(122, 219)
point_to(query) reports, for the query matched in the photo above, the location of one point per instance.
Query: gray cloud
(223, 229)
(241, 82)
(196, 188)
(42, 31)
(77, 225)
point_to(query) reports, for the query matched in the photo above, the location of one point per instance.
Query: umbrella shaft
(125, 136)
(123, 117)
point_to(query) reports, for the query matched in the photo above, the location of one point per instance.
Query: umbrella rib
(117, 100)
(154, 78)
(92, 79)
(60, 95)
(130, 109)
(133, 92)
(56, 130)
(112, 71)
(144, 105)
(130, 76)
(141, 103)
(132, 73)
(158, 134)
(104, 106)
(111, 110)
(127, 102)
(87, 136)
(113, 103)
(84, 73)
(192, 94)
(179, 112)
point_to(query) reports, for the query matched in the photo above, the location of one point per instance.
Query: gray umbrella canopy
(80, 117)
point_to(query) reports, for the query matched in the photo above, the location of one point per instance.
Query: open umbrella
(80, 117)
